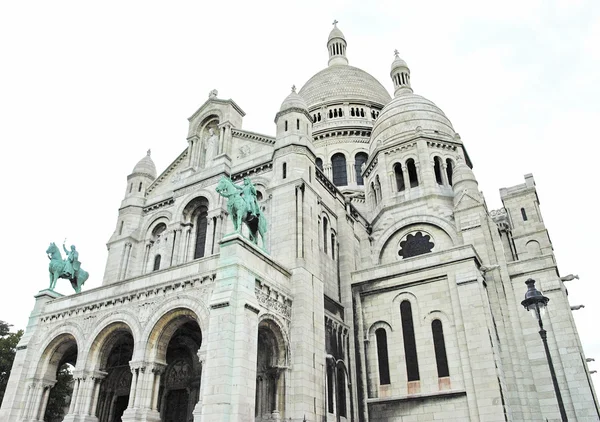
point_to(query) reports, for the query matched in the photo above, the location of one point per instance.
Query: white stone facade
(388, 292)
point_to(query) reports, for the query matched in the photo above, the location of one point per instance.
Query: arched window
(399, 177)
(341, 392)
(523, 214)
(156, 263)
(382, 356)
(410, 346)
(298, 124)
(449, 170)
(330, 375)
(340, 113)
(333, 245)
(440, 348)
(325, 237)
(140, 187)
(338, 164)
(412, 173)
(286, 126)
(319, 163)
(319, 116)
(330, 114)
(284, 170)
(352, 112)
(437, 169)
(201, 226)
(360, 159)
(362, 112)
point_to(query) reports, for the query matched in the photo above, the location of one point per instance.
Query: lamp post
(535, 302)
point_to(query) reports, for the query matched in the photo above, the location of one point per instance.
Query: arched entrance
(177, 338)
(115, 356)
(270, 366)
(50, 391)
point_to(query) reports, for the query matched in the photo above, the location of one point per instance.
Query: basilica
(366, 279)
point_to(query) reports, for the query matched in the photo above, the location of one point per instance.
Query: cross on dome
(293, 88)
(335, 22)
(396, 53)
(148, 153)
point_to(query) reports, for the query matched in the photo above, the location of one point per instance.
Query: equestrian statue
(243, 207)
(69, 268)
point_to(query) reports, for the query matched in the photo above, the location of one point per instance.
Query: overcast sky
(87, 87)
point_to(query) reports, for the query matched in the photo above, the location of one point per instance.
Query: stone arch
(379, 324)
(54, 353)
(400, 225)
(533, 248)
(161, 217)
(68, 328)
(202, 121)
(200, 198)
(123, 317)
(412, 298)
(273, 323)
(193, 304)
(163, 329)
(102, 344)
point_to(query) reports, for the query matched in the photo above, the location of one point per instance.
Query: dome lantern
(336, 44)
(400, 75)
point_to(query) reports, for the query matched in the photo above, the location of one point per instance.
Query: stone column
(47, 389)
(197, 412)
(406, 178)
(443, 169)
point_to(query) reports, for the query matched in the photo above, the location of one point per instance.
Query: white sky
(87, 87)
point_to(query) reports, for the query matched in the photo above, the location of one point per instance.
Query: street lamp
(535, 302)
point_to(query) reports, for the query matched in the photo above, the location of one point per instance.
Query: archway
(177, 337)
(58, 361)
(270, 365)
(115, 355)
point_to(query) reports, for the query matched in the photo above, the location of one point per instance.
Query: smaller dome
(462, 173)
(398, 62)
(293, 101)
(145, 166)
(407, 115)
(335, 33)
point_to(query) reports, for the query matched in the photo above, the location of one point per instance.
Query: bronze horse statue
(57, 270)
(241, 211)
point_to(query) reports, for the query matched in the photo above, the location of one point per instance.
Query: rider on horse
(249, 195)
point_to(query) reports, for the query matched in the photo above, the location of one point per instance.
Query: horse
(240, 212)
(56, 270)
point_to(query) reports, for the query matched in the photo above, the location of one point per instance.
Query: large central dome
(343, 82)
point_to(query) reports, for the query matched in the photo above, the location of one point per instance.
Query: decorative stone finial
(293, 88)
(335, 22)
(213, 94)
(396, 53)
(148, 153)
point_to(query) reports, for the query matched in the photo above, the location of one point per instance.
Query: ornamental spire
(336, 44)
(400, 75)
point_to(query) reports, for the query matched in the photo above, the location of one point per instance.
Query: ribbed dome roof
(462, 172)
(335, 33)
(293, 101)
(145, 166)
(406, 114)
(343, 82)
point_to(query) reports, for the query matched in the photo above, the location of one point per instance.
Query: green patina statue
(242, 205)
(69, 268)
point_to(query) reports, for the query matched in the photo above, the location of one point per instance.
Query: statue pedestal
(46, 295)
